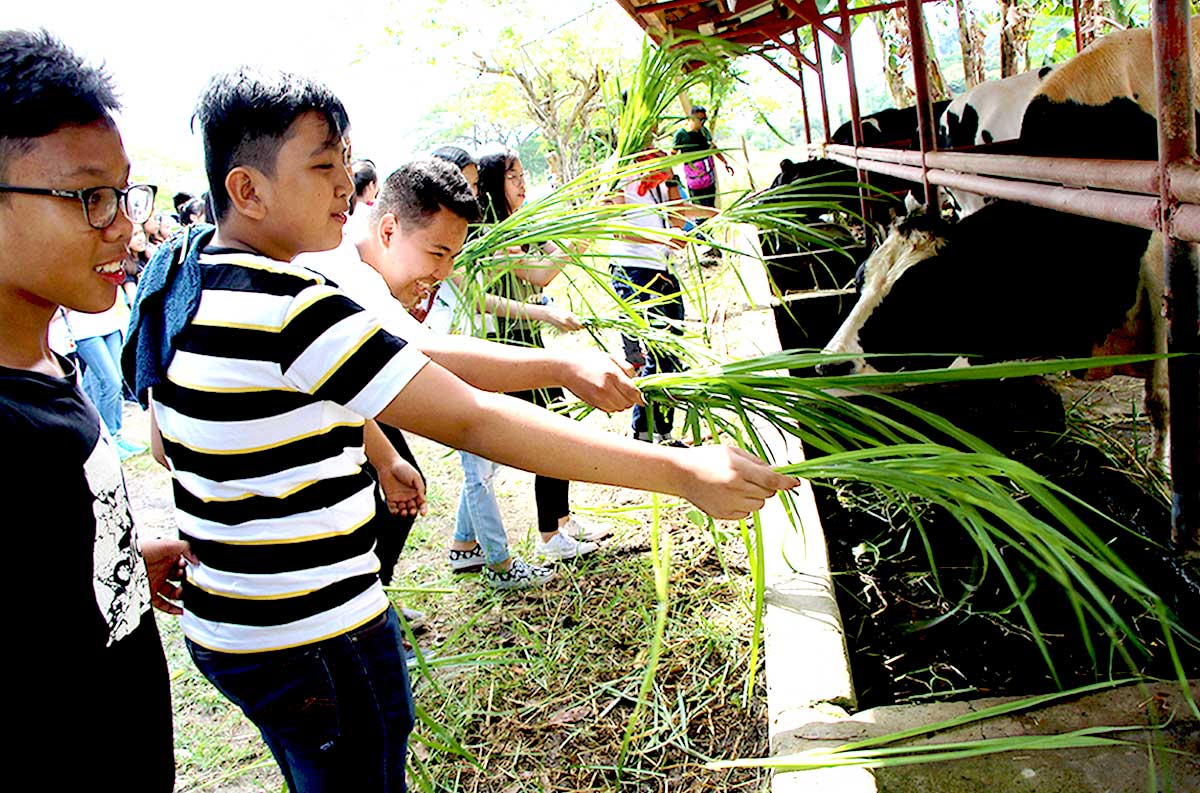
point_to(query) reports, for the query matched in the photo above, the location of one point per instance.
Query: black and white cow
(890, 127)
(1015, 281)
(1010, 281)
(987, 113)
(990, 111)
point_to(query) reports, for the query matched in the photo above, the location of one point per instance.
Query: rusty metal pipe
(1128, 176)
(1184, 178)
(908, 172)
(1078, 34)
(820, 82)
(1177, 144)
(1139, 211)
(1130, 210)
(920, 58)
(803, 92)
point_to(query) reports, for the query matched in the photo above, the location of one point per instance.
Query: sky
(160, 62)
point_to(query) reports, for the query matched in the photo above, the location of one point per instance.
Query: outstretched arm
(725, 482)
(593, 376)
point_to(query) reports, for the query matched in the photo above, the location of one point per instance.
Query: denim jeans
(639, 285)
(335, 714)
(102, 379)
(478, 513)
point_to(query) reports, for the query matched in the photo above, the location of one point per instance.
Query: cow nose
(835, 368)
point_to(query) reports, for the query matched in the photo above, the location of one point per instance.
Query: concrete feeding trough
(812, 702)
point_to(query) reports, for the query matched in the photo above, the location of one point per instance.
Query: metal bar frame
(1163, 196)
(1177, 145)
(916, 36)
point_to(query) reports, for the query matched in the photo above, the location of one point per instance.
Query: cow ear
(913, 207)
(1042, 72)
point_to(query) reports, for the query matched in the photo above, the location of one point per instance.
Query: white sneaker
(561, 546)
(581, 531)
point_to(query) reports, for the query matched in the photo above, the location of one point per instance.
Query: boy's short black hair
(364, 173)
(44, 86)
(245, 116)
(417, 190)
(455, 155)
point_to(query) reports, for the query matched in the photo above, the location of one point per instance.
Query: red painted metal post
(820, 82)
(848, 51)
(920, 58)
(803, 92)
(1177, 143)
(844, 34)
(1078, 34)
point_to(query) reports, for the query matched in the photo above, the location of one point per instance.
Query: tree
(892, 27)
(521, 71)
(970, 40)
(562, 106)
(1015, 32)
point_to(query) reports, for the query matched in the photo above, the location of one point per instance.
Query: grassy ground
(535, 691)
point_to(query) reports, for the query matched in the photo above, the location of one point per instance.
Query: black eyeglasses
(100, 204)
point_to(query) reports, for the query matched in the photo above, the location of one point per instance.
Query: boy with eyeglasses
(263, 407)
(92, 699)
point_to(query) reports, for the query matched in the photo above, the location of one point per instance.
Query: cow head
(893, 286)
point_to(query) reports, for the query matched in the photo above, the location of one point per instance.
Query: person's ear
(388, 231)
(249, 192)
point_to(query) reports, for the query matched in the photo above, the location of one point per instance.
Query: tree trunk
(970, 40)
(1093, 23)
(1015, 30)
(892, 28)
(937, 81)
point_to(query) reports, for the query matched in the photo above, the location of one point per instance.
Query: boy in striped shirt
(265, 415)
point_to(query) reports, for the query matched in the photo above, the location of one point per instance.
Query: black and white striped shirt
(261, 418)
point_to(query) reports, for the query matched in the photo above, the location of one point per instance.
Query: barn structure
(1163, 195)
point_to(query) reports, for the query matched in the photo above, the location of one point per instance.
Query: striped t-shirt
(261, 417)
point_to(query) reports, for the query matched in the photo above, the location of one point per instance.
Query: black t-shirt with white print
(92, 692)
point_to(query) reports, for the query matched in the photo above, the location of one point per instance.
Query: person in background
(192, 212)
(92, 704)
(462, 160)
(137, 254)
(155, 233)
(501, 191)
(179, 201)
(699, 175)
(642, 275)
(366, 183)
(98, 344)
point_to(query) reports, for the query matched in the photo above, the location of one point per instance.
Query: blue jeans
(336, 714)
(102, 380)
(640, 285)
(478, 513)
